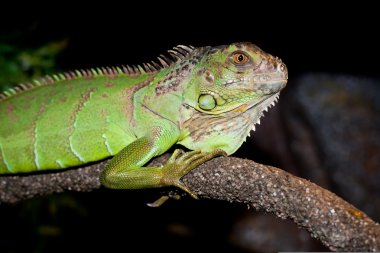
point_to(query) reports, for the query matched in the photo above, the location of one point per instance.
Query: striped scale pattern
(44, 123)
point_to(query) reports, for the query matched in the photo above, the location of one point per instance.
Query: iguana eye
(240, 58)
(206, 102)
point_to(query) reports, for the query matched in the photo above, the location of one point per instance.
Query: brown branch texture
(336, 223)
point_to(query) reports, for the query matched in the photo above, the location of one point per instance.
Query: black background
(340, 38)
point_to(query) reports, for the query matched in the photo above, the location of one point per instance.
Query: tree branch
(336, 223)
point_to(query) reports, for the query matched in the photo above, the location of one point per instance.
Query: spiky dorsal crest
(176, 54)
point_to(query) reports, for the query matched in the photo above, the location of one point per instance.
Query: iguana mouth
(266, 102)
(245, 107)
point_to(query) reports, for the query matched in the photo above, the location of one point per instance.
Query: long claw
(193, 158)
(158, 202)
(175, 155)
(188, 155)
(183, 187)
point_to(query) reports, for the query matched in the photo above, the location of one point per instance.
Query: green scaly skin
(208, 99)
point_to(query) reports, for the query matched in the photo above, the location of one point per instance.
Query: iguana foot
(180, 163)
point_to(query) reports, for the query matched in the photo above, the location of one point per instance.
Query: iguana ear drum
(206, 102)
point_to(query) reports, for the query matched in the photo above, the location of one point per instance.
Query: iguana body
(207, 99)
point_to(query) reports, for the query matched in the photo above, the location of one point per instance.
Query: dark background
(308, 38)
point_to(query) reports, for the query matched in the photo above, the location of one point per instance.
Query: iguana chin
(207, 99)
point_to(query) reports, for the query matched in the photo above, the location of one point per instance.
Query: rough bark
(336, 223)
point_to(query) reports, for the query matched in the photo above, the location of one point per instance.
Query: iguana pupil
(240, 58)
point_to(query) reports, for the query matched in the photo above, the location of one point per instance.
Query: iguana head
(234, 84)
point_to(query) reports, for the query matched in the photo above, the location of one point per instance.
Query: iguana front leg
(126, 171)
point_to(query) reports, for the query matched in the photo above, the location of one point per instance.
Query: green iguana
(207, 99)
